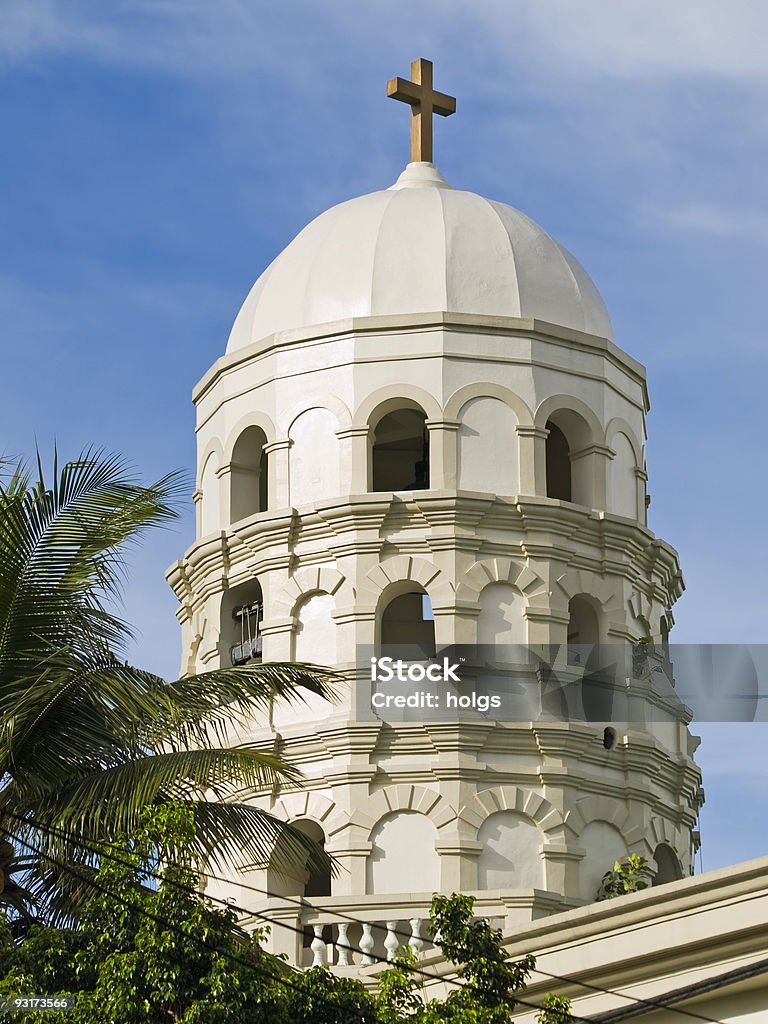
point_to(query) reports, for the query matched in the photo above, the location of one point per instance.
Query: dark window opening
(401, 452)
(558, 460)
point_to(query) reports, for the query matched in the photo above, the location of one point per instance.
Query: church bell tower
(424, 433)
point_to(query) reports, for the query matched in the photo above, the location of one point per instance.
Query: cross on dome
(424, 102)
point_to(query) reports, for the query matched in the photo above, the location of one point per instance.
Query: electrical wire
(303, 903)
(411, 968)
(395, 931)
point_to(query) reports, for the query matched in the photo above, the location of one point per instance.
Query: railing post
(366, 945)
(342, 945)
(391, 942)
(415, 942)
(318, 947)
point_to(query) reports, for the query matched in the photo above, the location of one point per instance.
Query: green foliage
(557, 1010)
(629, 875)
(87, 741)
(142, 956)
(489, 982)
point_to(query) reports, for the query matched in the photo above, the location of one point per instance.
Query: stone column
(278, 473)
(197, 498)
(355, 459)
(589, 471)
(224, 475)
(442, 454)
(458, 863)
(533, 459)
(642, 500)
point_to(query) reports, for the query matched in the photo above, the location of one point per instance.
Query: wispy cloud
(591, 39)
(715, 220)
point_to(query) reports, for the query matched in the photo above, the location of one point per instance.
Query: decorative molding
(513, 798)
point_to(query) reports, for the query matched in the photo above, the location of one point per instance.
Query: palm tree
(88, 741)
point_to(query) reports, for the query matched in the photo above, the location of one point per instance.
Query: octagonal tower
(423, 431)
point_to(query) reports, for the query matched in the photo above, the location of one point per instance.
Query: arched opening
(599, 695)
(400, 452)
(664, 631)
(667, 865)
(242, 612)
(571, 463)
(408, 627)
(248, 487)
(583, 628)
(558, 455)
(289, 877)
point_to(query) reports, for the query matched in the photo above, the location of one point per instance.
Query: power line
(227, 954)
(396, 931)
(230, 904)
(303, 903)
(636, 1000)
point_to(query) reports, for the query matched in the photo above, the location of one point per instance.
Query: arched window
(400, 453)
(408, 627)
(248, 475)
(288, 876)
(583, 624)
(242, 611)
(559, 482)
(570, 463)
(667, 865)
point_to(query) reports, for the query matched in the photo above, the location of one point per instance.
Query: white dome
(420, 247)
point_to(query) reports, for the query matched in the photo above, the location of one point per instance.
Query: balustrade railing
(364, 943)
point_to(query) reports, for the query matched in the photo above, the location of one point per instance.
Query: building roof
(420, 246)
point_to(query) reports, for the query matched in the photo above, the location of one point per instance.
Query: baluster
(342, 945)
(391, 943)
(366, 945)
(415, 942)
(318, 947)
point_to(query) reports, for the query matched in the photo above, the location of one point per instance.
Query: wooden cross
(424, 102)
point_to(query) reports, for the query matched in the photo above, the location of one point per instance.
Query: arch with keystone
(612, 811)
(530, 805)
(316, 579)
(315, 807)
(399, 571)
(583, 581)
(498, 570)
(416, 799)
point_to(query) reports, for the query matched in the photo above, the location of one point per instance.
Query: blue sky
(157, 155)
